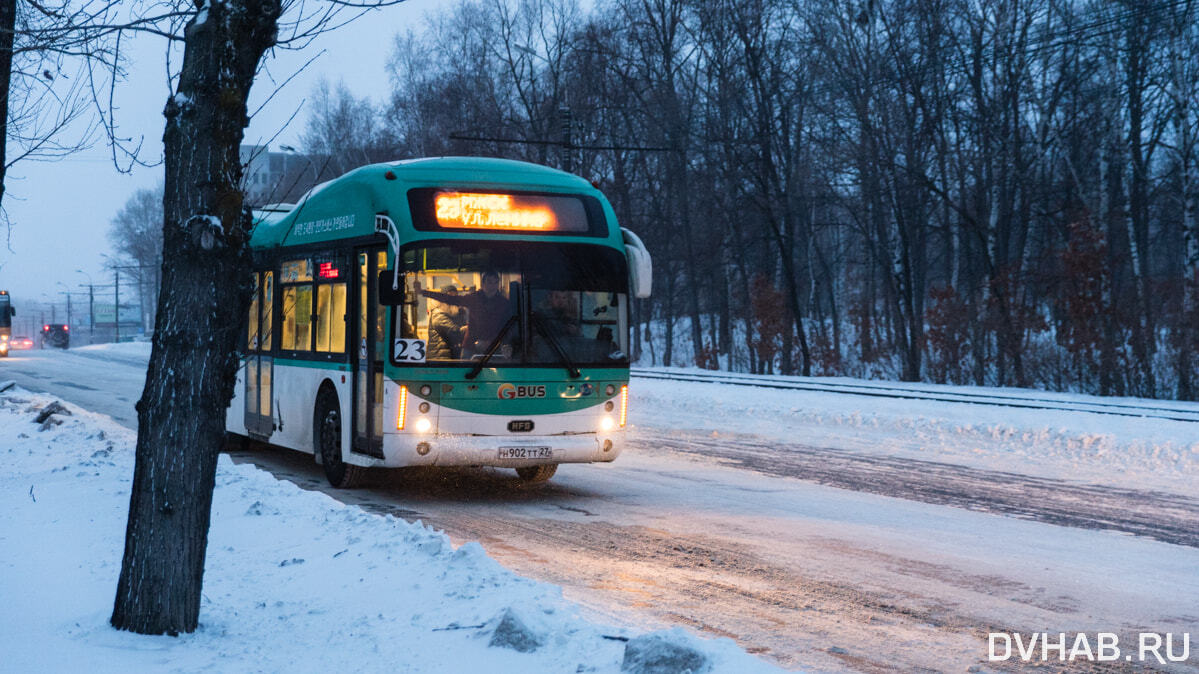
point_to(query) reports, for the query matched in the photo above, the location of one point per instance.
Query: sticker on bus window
(408, 350)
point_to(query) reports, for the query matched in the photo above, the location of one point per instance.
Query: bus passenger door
(259, 361)
(368, 355)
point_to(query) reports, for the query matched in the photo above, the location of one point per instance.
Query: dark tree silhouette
(203, 297)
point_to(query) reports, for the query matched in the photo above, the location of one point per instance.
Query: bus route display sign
(520, 212)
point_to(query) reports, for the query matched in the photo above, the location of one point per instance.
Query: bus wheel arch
(327, 440)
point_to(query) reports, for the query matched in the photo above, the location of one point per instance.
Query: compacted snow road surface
(822, 557)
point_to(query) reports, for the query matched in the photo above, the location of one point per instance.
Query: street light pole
(91, 307)
(67, 291)
(117, 291)
(137, 270)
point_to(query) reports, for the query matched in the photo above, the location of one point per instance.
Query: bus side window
(330, 318)
(331, 294)
(297, 305)
(297, 317)
(252, 319)
(268, 310)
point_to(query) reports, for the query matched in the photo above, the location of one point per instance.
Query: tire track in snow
(1169, 518)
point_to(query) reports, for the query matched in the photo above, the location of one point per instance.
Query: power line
(559, 143)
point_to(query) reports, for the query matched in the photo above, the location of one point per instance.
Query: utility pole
(566, 143)
(91, 307)
(67, 291)
(117, 292)
(138, 271)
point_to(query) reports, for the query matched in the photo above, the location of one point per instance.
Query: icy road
(815, 529)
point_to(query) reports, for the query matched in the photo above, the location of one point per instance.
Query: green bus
(6, 314)
(441, 312)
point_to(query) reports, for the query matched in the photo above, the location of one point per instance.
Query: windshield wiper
(492, 348)
(570, 366)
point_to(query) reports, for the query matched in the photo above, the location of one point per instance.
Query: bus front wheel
(536, 474)
(327, 423)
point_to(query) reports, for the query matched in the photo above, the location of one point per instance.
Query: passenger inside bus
(447, 327)
(560, 311)
(487, 311)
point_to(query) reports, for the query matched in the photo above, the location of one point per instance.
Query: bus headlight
(607, 424)
(423, 425)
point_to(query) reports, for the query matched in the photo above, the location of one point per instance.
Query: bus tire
(536, 474)
(327, 435)
(235, 442)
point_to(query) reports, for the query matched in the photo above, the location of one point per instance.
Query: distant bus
(56, 335)
(6, 314)
(441, 312)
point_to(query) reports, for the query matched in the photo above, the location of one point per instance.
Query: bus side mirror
(389, 294)
(641, 266)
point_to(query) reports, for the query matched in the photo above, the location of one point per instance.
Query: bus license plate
(526, 453)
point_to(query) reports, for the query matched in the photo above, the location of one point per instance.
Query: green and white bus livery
(447, 312)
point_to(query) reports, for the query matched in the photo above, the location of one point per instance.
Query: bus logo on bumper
(520, 426)
(510, 392)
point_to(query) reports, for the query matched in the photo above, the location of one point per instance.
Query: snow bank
(294, 581)
(136, 349)
(1132, 452)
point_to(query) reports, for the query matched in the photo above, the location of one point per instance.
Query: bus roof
(345, 207)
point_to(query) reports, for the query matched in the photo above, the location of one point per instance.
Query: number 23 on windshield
(408, 350)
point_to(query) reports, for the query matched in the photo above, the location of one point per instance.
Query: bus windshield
(540, 304)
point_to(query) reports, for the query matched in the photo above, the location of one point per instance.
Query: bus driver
(489, 310)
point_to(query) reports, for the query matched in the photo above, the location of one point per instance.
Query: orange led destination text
(490, 211)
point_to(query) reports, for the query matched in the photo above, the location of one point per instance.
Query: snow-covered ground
(891, 579)
(294, 581)
(1142, 453)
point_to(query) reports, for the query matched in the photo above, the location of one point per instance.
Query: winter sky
(60, 210)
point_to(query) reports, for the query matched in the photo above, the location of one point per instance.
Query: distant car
(56, 335)
(21, 342)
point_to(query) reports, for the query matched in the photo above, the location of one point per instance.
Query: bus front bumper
(405, 449)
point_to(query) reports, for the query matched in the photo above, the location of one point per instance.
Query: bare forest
(991, 192)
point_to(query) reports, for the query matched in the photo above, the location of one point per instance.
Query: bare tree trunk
(1188, 331)
(1137, 208)
(787, 252)
(8, 20)
(668, 317)
(201, 310)
(1184, 87)
(1107, 352)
